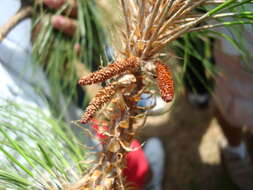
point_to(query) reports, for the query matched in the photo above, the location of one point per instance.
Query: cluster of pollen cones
(132, 64)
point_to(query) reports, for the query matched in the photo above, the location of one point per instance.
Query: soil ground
(191, 137)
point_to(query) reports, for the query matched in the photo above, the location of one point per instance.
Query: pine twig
(23, 13)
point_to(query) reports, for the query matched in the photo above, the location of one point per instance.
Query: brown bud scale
(164, 81)
(110, 71)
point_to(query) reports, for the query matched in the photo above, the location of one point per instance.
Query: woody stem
(23, 13)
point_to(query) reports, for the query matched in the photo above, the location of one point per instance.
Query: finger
(55, 4)
(77, 48)
(64, 24)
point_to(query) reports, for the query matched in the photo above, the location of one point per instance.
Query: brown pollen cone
(110, 71)
(103, 96)
(164, 81)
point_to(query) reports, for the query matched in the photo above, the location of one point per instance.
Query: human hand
(65, 24)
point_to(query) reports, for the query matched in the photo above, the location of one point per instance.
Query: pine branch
(23, 13)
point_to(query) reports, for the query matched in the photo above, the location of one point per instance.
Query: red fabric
(137, 166)
(99, 130)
